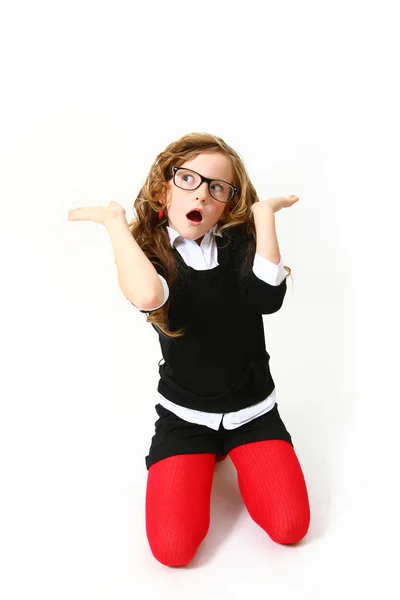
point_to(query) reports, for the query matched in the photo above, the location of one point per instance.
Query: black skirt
(175, 436)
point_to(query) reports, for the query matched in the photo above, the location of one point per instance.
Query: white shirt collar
(174, 235)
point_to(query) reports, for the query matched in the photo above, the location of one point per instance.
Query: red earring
(161, 214)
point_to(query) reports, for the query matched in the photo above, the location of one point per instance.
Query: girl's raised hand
(274, 204)
(97, 214)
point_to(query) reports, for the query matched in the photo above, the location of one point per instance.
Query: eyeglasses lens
(188, 180)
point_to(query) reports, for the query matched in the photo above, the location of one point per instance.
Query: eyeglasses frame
(207, 180)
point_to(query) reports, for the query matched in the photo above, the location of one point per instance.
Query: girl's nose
(202, 190)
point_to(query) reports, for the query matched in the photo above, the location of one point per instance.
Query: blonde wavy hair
(151, 233)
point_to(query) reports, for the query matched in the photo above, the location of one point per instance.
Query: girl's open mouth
(195, 217)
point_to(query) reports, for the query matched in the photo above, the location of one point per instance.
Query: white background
(91, 92)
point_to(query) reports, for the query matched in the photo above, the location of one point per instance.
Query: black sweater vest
(221, 363)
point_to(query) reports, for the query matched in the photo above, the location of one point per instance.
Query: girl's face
(180, 202)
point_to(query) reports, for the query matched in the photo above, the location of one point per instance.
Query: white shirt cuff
(268, 271)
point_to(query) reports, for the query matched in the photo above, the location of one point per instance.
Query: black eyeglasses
(186, 179)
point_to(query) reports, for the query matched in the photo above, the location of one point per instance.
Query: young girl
(201, 258)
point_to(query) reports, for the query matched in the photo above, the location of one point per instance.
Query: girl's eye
(217, 185)
(185, 176)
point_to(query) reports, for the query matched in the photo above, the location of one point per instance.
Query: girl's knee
(168, 555)
(176, 548)
(289, 530)
(291, 533)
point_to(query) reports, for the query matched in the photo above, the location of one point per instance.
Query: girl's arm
(264, 221)
(267, 242)
(137, 277)
(260, 295)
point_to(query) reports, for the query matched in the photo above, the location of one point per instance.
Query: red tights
(271, 483)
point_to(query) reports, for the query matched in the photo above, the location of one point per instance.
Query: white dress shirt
(201, 257)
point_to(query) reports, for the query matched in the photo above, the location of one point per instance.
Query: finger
(77, 214)
(72, 214)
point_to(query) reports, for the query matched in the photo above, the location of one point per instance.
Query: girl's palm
(97, 214)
